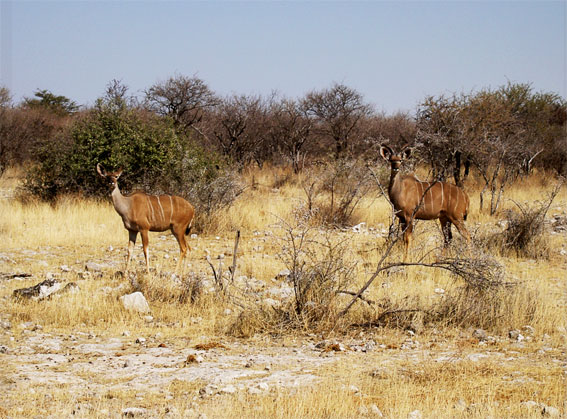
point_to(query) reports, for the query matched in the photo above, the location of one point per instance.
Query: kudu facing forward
(142, 213)
(413, 199)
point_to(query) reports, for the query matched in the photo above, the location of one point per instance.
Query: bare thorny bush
(333, 194)
(525, 232)
(320, 270)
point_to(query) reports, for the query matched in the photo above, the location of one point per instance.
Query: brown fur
(142, 213)
(414, 199)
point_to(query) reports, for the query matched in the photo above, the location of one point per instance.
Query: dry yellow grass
(76, 231)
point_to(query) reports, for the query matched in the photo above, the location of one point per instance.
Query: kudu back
(414, 199)
(142, 213)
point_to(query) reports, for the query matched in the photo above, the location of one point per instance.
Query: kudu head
(111, 177)
(395, 159)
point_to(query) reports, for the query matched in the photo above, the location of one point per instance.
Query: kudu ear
(386, 152)
(100, 170)
(406, 152)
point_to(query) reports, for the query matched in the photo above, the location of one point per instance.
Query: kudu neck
(394, 174)
(121, 203)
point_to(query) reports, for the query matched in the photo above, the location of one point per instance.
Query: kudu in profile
(142, 213)
(414, 199)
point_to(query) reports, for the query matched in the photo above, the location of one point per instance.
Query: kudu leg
(446, 229)
(460, 224)
(131, 243)
(145, 242)
(407, 228)
(183, 247)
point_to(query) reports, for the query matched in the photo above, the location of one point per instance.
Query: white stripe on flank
(151, 208)
(170, 206)
(442, 196)
(161, 208)
(431, 197)
(457, 203)
(416, 210)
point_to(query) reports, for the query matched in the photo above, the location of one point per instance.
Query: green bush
(154, 158)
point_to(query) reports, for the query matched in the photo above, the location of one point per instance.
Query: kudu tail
(188, 229)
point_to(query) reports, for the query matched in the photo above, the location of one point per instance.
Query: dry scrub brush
(525, 233)
(320, 270)
(334, 192)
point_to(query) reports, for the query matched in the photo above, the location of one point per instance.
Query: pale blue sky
(394, 53)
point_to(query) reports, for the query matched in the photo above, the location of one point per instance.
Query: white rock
(363, 410)
(550, 411)
(93, 267)
(263, 386)
(375, 410)
(45, 291)
(359, 227)
(229, 389)
(136, 302)
(131, 412)
(416, 414)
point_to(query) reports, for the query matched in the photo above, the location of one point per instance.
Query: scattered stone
(148, 319)
(354, 389)
(229, 389)
(513, 334)
(530, 404)
(439, 291)
(5, 324)
(45, 289)
(263, 386)
(550, 411)
(528, 330)
(359, 228)
(93, 267)
(194, 359)
(254, 390)
(132, 412)
(363, 410)
(141, 340)
(480, 334)
(136, 302)
(375, 410)
(416, 414)
(283, 274)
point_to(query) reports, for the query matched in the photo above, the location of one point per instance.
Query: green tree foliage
(44, 99)
(117, 135)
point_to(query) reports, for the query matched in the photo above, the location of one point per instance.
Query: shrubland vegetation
(294, 175)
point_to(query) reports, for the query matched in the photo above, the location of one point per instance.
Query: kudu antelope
(142, 213)
(414, 199)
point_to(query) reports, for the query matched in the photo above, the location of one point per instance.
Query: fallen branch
(366, 300)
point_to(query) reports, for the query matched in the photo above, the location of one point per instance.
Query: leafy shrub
(153, 156)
